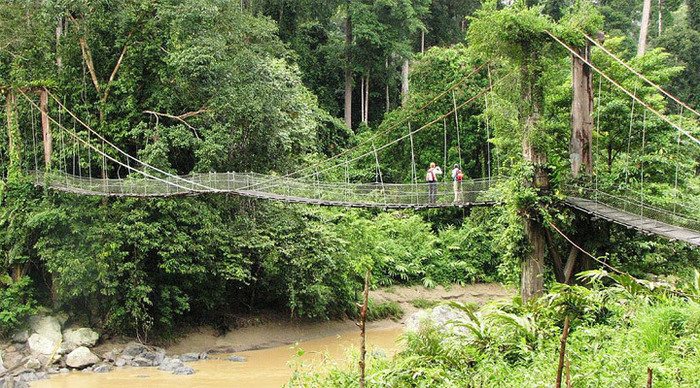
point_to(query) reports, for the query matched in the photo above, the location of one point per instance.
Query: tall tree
(644, 28)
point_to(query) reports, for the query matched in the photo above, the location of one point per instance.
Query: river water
(264, 368)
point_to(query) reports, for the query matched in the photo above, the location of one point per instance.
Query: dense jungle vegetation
(265, 82)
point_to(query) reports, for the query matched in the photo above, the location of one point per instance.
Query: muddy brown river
(264, 368)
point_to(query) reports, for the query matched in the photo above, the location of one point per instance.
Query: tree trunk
(386, 87)
(531, 103)
(562, 351)
(59, 34)
(644, 28)
(422, 41)
(362, 324)
(366, 118)
(14, 140)
(46, 128)
(348, 69)
(405, 68)
(581, 114)
(661, 8)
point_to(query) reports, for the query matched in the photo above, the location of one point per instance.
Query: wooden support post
(363, 333)
(45, 127)
(580, 148)
(562, 351)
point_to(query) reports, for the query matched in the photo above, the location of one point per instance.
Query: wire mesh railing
(442, 194)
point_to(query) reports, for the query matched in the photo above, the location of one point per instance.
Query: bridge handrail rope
(90, 130)
(634, 202)
(622, 88)
(392, 127)
(640, 75)
(441, 117)
(78, 138)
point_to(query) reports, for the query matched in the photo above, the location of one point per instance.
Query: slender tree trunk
(644, 29)
(661, 8)
(405, 69)
(362, 99)
(422, 41)
(386, 86)
(532, 101)
(46, 128)
(348, 69)
(362, 324)
(14, 140)
(562, 351)
(59, 34)
(366, 98)
(581, 114)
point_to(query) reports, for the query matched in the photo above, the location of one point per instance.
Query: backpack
(429, 177)
(460, 176)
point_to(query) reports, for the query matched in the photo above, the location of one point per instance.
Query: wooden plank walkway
(635, 221)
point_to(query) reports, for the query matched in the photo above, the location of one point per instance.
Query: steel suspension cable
(622, 88)
(629, 139)
(87, 144)
(641, 178)
(597, 139)
(392, 127)
(640, 75)
(459, 144)
(675, 179)
(119, 150)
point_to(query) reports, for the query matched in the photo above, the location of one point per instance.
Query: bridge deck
(635, 221)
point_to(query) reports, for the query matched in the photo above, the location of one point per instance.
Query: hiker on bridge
(457, 177)
(431, 178)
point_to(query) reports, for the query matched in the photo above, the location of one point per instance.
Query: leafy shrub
(384, 310)
(16, 303)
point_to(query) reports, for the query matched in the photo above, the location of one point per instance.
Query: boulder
(14, 359)
(80, 337)
(40, 344)
(141, 361)
(189, 357)
(20, 337)
(236, 358)
(102, 368)
(64, 370)
(46, 326)
(123, 360)
(33, 364)
(81, 358)
(441, 317)
(134, 349)
(170, 364)
(184, 370)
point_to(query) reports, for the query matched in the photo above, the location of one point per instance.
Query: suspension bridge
(67, 150)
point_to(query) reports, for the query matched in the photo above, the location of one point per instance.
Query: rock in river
(81, 357)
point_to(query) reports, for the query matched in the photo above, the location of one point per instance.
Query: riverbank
(271, 346)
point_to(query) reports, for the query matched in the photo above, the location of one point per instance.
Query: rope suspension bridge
(74, 146)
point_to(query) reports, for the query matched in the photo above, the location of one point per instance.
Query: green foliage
(16, 303)
(508, 344)
(384, 310)
(421, 303)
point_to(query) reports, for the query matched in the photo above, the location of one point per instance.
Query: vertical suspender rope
(488, 136)
(629, 138)
(444, 164)
(347, 181)
(496, 154)
(675, 180)
(414, 171)
(597, 129)
(379, 171)
(459, 145)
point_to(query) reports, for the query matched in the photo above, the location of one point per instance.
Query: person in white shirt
(431, 178)
(457, 176)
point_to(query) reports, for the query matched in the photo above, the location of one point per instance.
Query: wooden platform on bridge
(635, 221)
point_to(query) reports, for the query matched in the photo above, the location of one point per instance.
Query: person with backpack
(457, 177)
(431, 178)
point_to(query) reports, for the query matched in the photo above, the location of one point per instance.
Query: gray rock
(30, 376)
(81, 337)
(184, 370)
(14, 359)
(134, 349)
(444, 318)
(39, 344)
(20, 337)
(33, 364)
(189, 357)
(102, 368)
(64, 370)
(141, 361)
(110, 356)
(81, 357)
(122, 361)
(235, 358)
(46, 326)
(53, 371)
(170, 364)
(203, 355)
